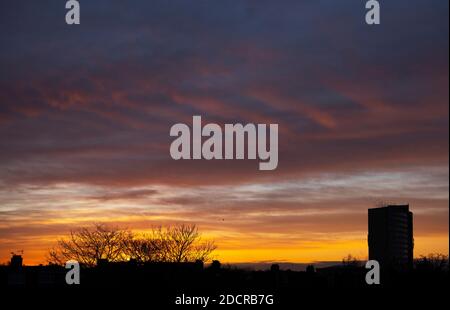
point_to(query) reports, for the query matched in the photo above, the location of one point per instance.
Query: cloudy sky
(85, 114)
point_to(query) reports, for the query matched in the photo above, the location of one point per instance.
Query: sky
(86, 110)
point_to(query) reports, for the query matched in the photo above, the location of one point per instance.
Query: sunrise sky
(85, 114)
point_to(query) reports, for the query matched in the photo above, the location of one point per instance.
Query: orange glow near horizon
(247, 252)
(300, 228)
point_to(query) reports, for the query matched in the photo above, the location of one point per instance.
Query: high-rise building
(390, 236)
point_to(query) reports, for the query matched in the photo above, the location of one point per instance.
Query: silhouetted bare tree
(180, 243)
(87, 245)
(144, 249)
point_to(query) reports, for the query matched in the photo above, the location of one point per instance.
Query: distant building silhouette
(16, 261)
(390, 236)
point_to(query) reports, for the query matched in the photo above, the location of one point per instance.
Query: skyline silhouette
(174, 260)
